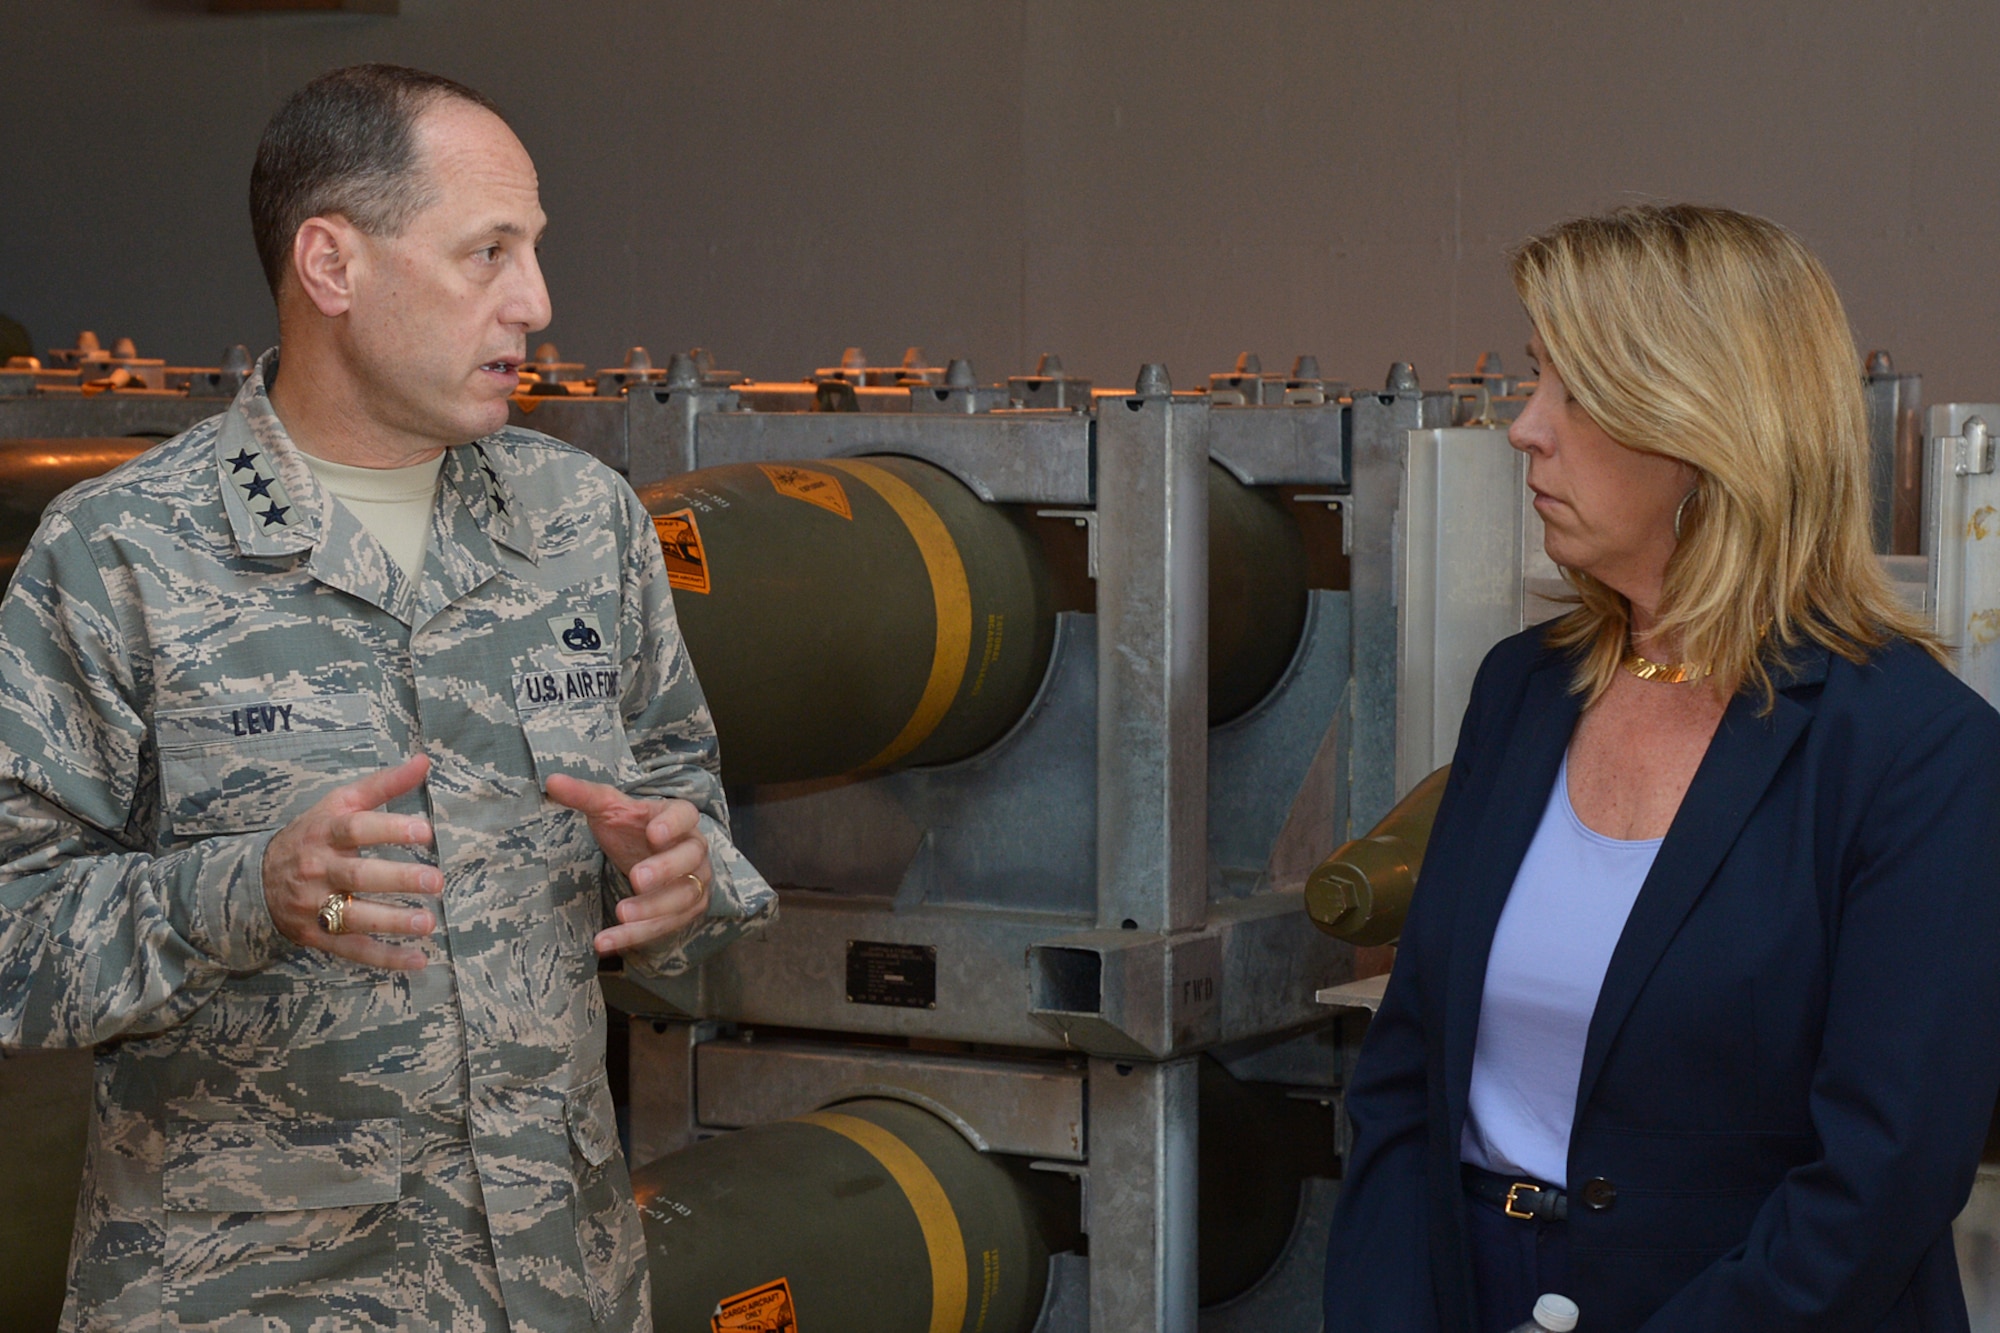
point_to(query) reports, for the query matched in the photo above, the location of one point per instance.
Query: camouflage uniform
(197, 647)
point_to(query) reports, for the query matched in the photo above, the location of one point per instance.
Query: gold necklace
(1667, 673)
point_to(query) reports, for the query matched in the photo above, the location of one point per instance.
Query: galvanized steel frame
(1166, 962)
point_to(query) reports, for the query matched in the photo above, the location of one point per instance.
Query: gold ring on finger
(333, 913)
(695, 880)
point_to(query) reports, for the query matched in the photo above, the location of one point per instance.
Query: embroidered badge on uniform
(260, 491)
(496, 493)
(578, 633)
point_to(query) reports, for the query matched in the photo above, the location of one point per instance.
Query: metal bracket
(1342, 503)
(1080, 1173)
(1124, 994)
(1975, 448)
(1481, 398)
(1087, 520)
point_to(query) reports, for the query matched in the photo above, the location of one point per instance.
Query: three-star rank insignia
(254, 473)
(496, 493)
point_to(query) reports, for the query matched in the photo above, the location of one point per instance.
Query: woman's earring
(1680, 513)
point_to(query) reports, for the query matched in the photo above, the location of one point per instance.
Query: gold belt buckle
(1514, 1192)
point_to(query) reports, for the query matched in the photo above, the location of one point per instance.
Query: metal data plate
(1962, 537)
(1459, 582)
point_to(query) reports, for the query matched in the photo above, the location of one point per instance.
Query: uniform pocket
(569, 715)
(593, 1123)
(287, 1219)
(241, 766)
(609, 1233)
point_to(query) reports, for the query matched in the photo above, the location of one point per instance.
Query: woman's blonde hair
(1716, 338)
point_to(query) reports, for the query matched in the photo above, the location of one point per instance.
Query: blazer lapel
(1545, 719)
(1740, 764)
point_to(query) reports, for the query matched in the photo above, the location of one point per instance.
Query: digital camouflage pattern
(197, 647)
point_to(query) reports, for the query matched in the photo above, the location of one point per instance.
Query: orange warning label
(815, 488)
(765, 1309)
(680, 543)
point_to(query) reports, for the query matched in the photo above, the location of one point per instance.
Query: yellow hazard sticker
(765, 1309)
(815, 488)
(680, 543)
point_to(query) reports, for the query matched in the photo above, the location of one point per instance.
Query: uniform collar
(274, 503)
(276, 506)
(479, 472)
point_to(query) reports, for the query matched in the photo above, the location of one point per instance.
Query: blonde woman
(1696, 1018)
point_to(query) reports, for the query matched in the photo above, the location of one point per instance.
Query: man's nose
(530, 306)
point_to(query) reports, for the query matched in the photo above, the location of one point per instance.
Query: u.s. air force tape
(541, 689)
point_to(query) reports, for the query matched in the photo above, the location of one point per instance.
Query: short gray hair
(343, 144)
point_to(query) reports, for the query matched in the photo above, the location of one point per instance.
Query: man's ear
(325, 254)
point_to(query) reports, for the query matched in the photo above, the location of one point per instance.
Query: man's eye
(490, 255)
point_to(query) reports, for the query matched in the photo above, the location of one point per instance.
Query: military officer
(339, 737)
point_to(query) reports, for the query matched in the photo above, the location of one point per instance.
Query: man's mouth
(506, 365)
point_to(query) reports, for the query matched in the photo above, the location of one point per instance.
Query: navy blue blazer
(1795, 1056)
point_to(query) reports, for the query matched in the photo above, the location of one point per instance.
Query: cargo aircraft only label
(765, 1309)
(680, 543)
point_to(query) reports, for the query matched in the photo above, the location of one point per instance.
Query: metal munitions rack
(1054, 930)
(91, 391)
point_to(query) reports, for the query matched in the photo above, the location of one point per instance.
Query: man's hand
(658, 847)
(319, 853)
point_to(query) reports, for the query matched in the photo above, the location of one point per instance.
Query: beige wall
(1119, 181)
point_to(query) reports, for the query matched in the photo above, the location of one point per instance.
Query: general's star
(260, 489)
(275, 514)
(245, 460)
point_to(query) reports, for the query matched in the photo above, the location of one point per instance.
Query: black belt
(1525, 1199)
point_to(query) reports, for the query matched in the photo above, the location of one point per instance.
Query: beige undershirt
(393, 503)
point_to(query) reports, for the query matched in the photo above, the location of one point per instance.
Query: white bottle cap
(1555, 1313)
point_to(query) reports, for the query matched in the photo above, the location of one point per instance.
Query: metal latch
(1481, 411)
(1974, 446)
(1083, 518)
(1344, 505)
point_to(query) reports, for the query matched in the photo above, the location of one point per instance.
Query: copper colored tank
(34, 472)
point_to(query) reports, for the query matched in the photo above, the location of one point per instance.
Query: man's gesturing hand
(657, 846)
(319, 853)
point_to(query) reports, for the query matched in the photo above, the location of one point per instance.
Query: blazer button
(1599, 1194)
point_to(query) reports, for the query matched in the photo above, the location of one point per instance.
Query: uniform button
(1599, 1194)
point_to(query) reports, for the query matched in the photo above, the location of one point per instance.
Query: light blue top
(1562, 920)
